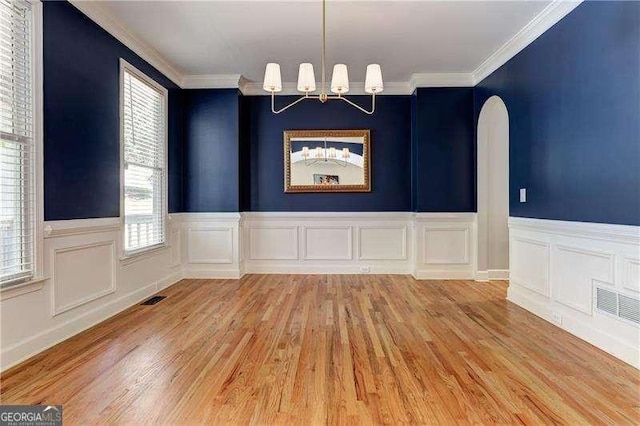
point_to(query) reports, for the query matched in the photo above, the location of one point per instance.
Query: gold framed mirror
(327, 161)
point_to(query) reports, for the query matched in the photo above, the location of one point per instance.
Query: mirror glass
(329, 160)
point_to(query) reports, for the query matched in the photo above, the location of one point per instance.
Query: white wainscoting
(87, 281)
(319, 243)
(211, 244)
(554, 266)
(445, 245)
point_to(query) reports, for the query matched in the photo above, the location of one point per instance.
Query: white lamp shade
(306, 78)
(332, 152)
(319, 152)
(345, 153)
(373, 80)
(340, 79)
(305, 151)
(272, 78)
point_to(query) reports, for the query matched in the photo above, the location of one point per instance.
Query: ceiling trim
(110, 23)
(543, 21)
(440, 80)
(212, 81)
(547, 18)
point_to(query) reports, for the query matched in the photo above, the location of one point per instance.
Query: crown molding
(548, 17)
(543, 21)
(211, 81)
(97, 13)
(440, 80)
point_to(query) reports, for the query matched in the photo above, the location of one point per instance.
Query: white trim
(289, 216)
(110, 23)
(37, 343)
(442, 275)
(57, 310)
(206, 217)
(126, 66)
(211, 81)
(575, 325)
(548, 17)
(440, 80)
(38, 114)
(62, 228)
(22, 288)
(600, 231)
(544, 20)
(445, 217)
(403, 254)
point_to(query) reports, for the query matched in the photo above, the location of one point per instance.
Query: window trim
(34, 282)
(126, 66)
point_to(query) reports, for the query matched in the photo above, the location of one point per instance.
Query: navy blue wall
(573, 97)
(443, 150)
(390, 154)
(212, 149)
(81, 117)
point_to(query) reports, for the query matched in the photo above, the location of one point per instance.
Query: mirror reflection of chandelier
(339, 80)
(325, 154)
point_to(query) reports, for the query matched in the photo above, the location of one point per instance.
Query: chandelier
(307, 81)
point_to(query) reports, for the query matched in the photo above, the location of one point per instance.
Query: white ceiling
(404, 37)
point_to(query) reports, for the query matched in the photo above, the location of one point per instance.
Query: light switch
(523, 195)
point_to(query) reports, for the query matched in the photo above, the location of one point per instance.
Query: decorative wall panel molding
(555, 267)
(210, 244)
(382, 242)
(445, 245)
(273, 243)
(88, 280)
(529, 265)
(328, 242)
(82, 274)
(631, 274)
(323, 243)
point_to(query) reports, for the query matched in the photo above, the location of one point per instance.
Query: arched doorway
(493, 190)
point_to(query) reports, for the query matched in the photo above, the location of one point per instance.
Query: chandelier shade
(373, 80)
(340, 79)
(306, 78)
(272, 78)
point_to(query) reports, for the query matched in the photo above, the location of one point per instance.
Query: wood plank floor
(316, 349)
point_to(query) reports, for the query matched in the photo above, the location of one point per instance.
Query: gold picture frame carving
(366, 154)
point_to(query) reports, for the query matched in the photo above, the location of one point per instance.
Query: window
(144, 112)
(17, 143)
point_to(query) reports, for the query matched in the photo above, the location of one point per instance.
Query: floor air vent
(153, 300)
(618, 305)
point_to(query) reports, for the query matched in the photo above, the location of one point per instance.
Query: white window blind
(16, 144)
(143, 115)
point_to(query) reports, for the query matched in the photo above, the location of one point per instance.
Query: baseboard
(213, 274)
(577, 327)
(326, 269)
(46, 339)
(443, 275)
(492, 274)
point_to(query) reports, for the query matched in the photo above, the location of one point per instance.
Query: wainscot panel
(445, 245)
(559, 268)
(88, 281)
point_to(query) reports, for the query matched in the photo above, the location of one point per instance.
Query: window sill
(137, 256)
(22, 288)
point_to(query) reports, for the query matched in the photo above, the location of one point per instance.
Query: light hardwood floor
(315, 349)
